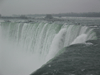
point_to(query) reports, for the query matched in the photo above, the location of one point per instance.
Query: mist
(16, 62)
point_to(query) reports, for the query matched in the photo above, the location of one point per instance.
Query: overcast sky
(10, 7)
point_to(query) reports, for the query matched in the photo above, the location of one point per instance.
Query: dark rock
(74, 60)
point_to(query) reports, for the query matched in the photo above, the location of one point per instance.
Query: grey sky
(9, 7)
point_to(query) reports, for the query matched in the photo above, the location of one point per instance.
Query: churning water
(24, 47)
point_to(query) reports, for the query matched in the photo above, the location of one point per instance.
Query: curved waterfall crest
(41, 41)
(40, 37)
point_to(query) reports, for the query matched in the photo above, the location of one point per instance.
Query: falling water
(24, 47)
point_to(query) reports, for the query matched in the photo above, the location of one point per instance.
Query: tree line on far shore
(88, 14)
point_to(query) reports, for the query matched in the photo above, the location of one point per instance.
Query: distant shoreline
(72, 14)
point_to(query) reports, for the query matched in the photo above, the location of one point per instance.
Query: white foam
(57, 44)
(80, 39)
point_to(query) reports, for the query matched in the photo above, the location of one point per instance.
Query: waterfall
(27, 46)
(80, 39)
